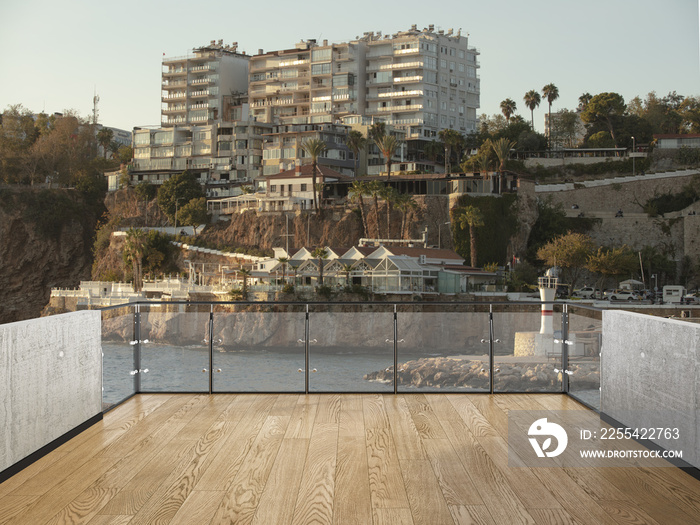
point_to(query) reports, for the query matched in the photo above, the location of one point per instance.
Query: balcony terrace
(186, 413)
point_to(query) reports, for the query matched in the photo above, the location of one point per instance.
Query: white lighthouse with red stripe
(548, 289)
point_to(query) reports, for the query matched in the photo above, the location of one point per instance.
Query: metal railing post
(565, 349)
(137, 349)
(491, 358)
(306, 352)
(396, 351)
(211, 349)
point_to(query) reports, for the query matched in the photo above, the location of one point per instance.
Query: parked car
(691, 299)
(623, 295)
(587, 292)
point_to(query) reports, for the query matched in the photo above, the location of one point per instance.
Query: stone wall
(650, 377)
(51, 377)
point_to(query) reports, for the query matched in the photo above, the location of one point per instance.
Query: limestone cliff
(45, 241)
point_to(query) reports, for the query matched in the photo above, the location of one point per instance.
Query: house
(677, 141)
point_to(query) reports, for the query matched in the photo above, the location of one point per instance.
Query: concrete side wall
(51, 380)
(650, 377)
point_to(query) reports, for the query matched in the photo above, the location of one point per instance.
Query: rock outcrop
(46, 241)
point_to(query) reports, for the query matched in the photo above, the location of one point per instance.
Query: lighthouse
(548, 289)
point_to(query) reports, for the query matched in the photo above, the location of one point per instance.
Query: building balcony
(199, 94)
(174, 109)
(410, 93)
(413, 78)
(180, 72)
(174, 84)
(398, 65)
(166, 442)
(410, 51)
(396, 109)
(174, 96)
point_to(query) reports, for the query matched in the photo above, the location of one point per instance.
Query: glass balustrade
(351, 347)
(586, 337)
(118, 369)
(527, 348)
(259, 348)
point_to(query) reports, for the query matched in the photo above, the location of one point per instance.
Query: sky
(57, 54)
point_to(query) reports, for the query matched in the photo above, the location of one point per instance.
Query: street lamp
(440, 233)
(633, 155)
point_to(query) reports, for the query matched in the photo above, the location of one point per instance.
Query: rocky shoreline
(448, 372)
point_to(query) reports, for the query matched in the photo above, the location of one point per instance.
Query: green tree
(405, 203)
(387, 144)
(551, 93)
(611, 262)
(194, 213)
(284, 261)
(17, 135)
(104, 139)
(125, 154)
(314, 148)
(606, 108)
(356, 142)
(321, 254)
(472, 218)
(374, 189)
(177, 191)
(376, 130)
(356, 194)
(508, 108)
(433, 150)
(532, 100)
(245, 274)
(134, 247)
(146, 191)
(502, 149)
(389, 195)
(584, 99)
(451, 140)
(570, 252)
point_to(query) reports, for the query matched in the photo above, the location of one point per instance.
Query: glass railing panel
(348, 345)
(586, 335)
(443, 347)
(527, 348)
(259, 348)
(117, 356)
(174, 347)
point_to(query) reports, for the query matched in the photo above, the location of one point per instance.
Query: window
(460, 67)
(452, 51)
(321, 55)
(273, 188)
(303, 187)
(443, 63)
(460, 53)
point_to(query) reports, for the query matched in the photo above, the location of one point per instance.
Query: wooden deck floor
(328, 459)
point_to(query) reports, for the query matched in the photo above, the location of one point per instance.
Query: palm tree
(471, 216)
(551, 93)
(376, 130)
(405, 203)
(356, 194)
(321, 254)
(134, 248)
(532, 100)
(373, 189)
(283, 261)
(347, 268)
(433, 149)
(508, 107)
(245, 272)
(356, 142)
(583, 100)
(389, 195)
(314, 148)
(387, 144)
(104, 139)
(451, 138)
(502, 149)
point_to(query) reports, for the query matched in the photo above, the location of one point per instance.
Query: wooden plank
(199, 507)
(352, 503)
(403, 429)
(329, 406)
(284, 404)
(497, 419)
(317, 488)
(522, 480)
(226, 464)
(84, 507)
(11, 506)
(395, 516)
(385, 481)
(173, 492)
(302, 418)
(351, 419)
(374, 412)
(625, 512)
(243, 495)
(103, 519)
(552, 517)
(456, 485)
(475, 421)
(280, 493)
(471, 515)
(427, 423)
(428, 506)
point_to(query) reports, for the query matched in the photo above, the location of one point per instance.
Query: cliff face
(45, 241)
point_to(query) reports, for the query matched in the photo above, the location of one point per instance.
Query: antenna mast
(95, 112)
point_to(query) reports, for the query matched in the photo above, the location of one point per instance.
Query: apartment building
(206, 125)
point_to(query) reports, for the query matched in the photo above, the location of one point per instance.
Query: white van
(673, 294)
